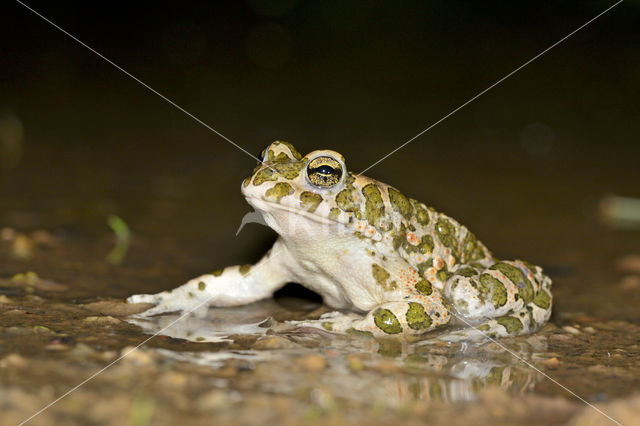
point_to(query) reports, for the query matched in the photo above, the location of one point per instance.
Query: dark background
(525, 166)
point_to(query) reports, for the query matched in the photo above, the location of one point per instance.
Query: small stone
(173, 380)
(630, 282)
(560, 338)
(4, 300)
(213, 400)
(274, 343)
(22, 247)
(13, 361)
(589, 330)
(18, 331)
(571, 330)
(312, 362)
(7, 234)
(550, 362)
(102, 320)
(354, 362)
(387, 367)
(629, 263)
(135, 355)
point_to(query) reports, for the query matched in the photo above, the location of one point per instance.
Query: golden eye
(324, 172)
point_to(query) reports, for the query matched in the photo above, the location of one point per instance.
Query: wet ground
(531, 168)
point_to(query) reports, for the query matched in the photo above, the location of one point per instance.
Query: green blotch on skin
(310, 200)
(327, 325)
(467, 272)
(425, 246)
(381, 276)
(512, 324)
(244, 269)
(422, 267)
(531, 267)
(279, 190)
(483, 327)
(202, 285)
(417, 317)
(443, 274)
(334, 213)
(399, 237)
(400, 202)
(471, 249)
(190, 295)
(263, 176)
(294, 152)
(424, 287)
(374, 206)
(217, 272)
(515, 275)
(281, 158)
(446, 232)
(542, 299)
(491, 285)
(421, 214)
(386, 321)
(347, 202)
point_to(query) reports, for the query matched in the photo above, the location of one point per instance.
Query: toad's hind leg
(507, 299)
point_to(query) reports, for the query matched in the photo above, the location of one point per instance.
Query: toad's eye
(324, 172)
(261, 155)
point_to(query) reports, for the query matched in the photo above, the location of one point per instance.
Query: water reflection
(355, 367)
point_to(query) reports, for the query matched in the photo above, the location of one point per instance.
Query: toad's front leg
(231, 286)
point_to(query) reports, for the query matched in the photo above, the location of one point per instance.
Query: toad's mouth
(264, 206)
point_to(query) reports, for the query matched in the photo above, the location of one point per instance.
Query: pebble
(22, 247)
(213, 400)
(354, 362)
(571, 330)
(107, 319)
(274, 343)
(7, 234)
(4, 300)
(629, 263)
(630, 282)
(387, 367)
(312, 362)
(13, 361)
(560, 338)
(550, 362)
(137, 356)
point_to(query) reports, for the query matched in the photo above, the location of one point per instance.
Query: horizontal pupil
(324, 170)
